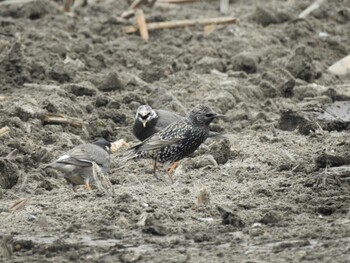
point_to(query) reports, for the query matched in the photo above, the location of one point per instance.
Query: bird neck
(201, 125)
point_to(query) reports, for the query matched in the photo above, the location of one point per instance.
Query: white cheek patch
(107, 148)
(153, 115)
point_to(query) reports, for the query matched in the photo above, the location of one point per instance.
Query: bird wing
(165, 118)
(84, 154)
(156, 142)
(172, 134)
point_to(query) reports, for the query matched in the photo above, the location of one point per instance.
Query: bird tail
(130, 153)
(53, 164)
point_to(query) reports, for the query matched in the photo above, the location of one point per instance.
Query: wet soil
(249, 196)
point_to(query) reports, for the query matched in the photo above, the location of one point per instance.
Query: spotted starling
(149, 121)
(177, 140)
(76, 164)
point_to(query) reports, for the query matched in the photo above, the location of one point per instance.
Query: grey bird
(177, 140)
(76, 164)
(149, 121)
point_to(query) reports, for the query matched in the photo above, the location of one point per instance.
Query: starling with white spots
(177, 140)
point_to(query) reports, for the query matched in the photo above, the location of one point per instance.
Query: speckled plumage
(76, 164)
(149, 121)
(178, 139)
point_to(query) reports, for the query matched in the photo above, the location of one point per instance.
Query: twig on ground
(182, 23)
(315, 5)
(41, 86)
(142, 25)
(52, 118)
(19, 205)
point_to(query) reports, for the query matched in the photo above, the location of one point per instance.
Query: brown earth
(252, 197)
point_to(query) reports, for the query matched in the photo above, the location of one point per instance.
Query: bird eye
(209, 115)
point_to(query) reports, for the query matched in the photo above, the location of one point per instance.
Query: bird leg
(171, 169)
(155, 170)
(87, 185)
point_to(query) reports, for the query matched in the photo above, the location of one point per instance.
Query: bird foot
(155, 168)
(172, 168)
(157, 177)
(88, 187)
(171, 177)
(170, 171)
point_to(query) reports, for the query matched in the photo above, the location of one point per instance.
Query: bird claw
(170, 171)
(88, 187)
(171, 177)
(157, 177)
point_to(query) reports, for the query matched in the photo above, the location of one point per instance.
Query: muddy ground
(252, 197)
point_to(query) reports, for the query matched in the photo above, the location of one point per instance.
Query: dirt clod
(152, 73)
(230, 218)
(244, 62)
(60, 74)
(328, 160)
(279, 82)
(80, 89)
(9, 174)
(264, 16)
(33, 9)
(207, 64)
(301, 65)
(270, 218)
(220, 148)
(290, 121)
(111, 83)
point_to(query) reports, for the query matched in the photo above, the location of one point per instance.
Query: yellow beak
(144, 122)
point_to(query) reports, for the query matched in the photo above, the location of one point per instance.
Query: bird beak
(219, 115)
(144, 122)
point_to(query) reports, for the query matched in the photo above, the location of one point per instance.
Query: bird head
(106, 145)
(203, 115)
(145, 114)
